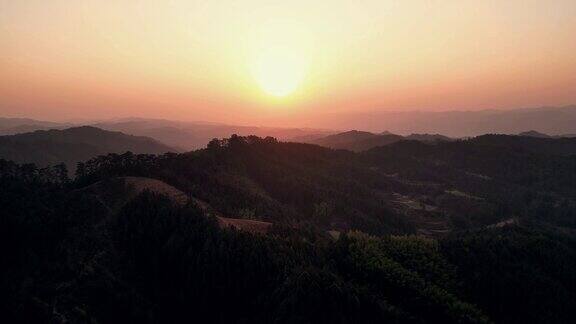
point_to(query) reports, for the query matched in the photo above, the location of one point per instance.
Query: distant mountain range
(194, 135)
(549, 120)
(185, 135)
(48, 147)
(358, 141)
(11, 126)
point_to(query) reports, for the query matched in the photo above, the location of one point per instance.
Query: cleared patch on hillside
(426, 219)
(116, 192)
(459, 193)
(246, 225)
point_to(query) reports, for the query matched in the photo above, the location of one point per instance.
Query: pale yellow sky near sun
(225, 60)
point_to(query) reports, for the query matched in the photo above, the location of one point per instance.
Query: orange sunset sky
(252, 62)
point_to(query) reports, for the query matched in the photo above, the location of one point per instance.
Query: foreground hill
(137, 238)
(265, 180)
(73, 145)
(402, 188)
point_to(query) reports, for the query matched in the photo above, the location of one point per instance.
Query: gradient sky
(200, 60)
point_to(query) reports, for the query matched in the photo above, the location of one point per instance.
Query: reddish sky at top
(255, 61)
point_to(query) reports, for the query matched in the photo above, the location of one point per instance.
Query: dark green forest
(452, 232)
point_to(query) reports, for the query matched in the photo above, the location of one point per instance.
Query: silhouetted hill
(431, 138)
(349, 136)
(533, 133)
(73, 145)
(358, 141)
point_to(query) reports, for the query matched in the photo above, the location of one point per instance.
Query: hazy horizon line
(77, 121)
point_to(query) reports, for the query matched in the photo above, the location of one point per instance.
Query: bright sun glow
(279, 71)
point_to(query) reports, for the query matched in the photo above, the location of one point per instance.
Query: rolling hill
(73, 145)
(358, 141)
(403, 187)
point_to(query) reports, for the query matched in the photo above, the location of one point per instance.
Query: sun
(279, 71)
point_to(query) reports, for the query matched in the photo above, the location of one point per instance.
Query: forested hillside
(139, 238)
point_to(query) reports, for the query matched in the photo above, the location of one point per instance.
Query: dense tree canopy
(338, 250)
